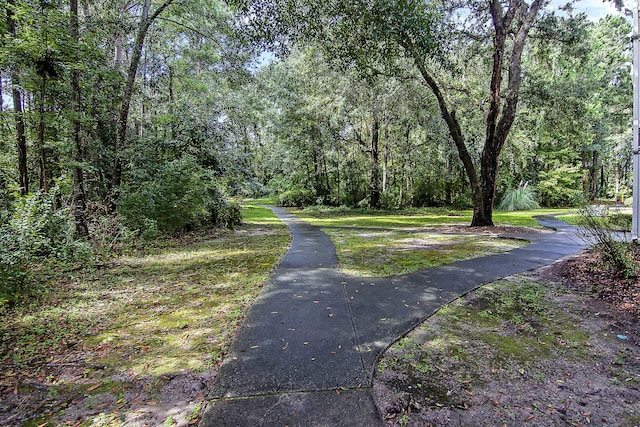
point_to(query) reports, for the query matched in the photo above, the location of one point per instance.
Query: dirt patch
(67, 394)
(536, 349)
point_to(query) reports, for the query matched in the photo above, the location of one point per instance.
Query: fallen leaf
(285, 346)
(330, 314)
(529, 418)
(93, 387)
(254, 346)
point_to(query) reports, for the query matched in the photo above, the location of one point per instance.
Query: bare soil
(110, 399)
(554, 347)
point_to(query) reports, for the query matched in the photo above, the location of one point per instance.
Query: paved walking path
(306, 352)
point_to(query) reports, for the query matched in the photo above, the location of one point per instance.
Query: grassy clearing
(423, 217)
(372, 243)
(166, 308)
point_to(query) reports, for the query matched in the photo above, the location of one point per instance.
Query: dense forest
(123, 118)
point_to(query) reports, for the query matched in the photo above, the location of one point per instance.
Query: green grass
(386, 253)
(424, 217)
(164, 308)
(385, 243)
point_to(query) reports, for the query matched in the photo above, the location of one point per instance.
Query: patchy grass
(423, 217)
(515, 351)
(160, 310)
(373, 243)
(378, 253)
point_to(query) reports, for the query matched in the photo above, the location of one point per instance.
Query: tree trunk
(79, 200)
(499, 117)
(42, 153)
(21, 141)
(374, 157)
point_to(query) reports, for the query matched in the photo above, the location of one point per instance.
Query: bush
(173, 196)
(620, 221)
(296, 197)
(599, 231)
(561, 186)
(522, 198)
(35, 234)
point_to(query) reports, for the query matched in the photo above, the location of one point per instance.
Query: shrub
(36, 233)
(519, 199)
(174, 196)
(561, 186)
(296, 197)
(599, 231)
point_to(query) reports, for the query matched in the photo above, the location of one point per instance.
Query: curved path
(305, 354)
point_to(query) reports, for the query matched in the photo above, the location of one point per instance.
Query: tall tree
(382, 33)
(146, 20)
(78, 196)
(21, 140)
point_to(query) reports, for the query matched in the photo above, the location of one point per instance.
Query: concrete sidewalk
(306, 352)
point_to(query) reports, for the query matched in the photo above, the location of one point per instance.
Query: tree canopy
(157, 112)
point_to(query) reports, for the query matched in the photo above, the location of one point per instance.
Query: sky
(596, 9)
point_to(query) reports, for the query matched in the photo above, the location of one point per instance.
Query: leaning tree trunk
(145, 23)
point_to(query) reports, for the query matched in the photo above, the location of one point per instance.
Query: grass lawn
(423, 217)
(169, 307)
(373, 244)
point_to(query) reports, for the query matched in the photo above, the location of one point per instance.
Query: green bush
(296, 197)
(522, 198)
(36, 233)
(598, 230)
(561, 186)
(620, 221)
(175, 195)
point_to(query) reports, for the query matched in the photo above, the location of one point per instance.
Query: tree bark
(79, 200)
(501, 113)
(374, 158)
(500, 118)
(42, 153)
(21, 140)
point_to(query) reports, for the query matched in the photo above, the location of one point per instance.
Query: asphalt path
(306, 352)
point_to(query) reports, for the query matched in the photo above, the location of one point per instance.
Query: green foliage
(37, 232)
(620, 221)
(173, 196)
(296, 197)
(560, 186)
(519, 199)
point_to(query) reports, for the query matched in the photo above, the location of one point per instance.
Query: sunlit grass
(372, 243)
(426, 217)
(378, 253)
(169, 307)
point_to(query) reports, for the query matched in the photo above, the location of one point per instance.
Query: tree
(383, 33)
(79, 199)
(146, 20)
(21, 141)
